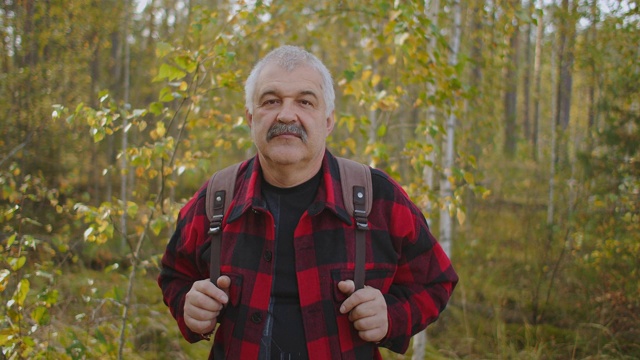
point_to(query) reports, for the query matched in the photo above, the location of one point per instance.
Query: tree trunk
(511, 92)
(123, 175)
(537, 76)
(431, 8)
(567, 33)
(593, 34)
(446, 190)
(526, 81)
(553, 127)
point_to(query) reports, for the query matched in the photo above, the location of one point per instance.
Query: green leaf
(349, 75)
(156, 108)
(166, 94)
(17, 263)
(21, 292)
(169, 72)
(41, 315)
(382, 130)
(11, 240)
(157, 225)
(49, 297)
(186, 63)
(112, 267)
(98, 135)
(468, 177)
(132, 209)
(7, 336)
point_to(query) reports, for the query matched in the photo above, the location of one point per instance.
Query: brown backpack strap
(219, 195)
(357, 191)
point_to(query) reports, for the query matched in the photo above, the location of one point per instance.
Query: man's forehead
(302, 73)
(302, 79)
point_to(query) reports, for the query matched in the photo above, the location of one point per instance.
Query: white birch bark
(446, 192)
(431, 11)
(554, 129)
(432, 8)
(123, 172)
(537, 149)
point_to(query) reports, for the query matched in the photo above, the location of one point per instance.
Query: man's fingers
(203, 304)
(355, 297)
(347, 287)
(367, 311)
(361, 312)
(224, 282)
(214, 292)
(373, 335)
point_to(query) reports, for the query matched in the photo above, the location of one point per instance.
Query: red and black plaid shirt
(403, 261)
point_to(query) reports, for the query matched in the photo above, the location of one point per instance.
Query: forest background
(514, 124)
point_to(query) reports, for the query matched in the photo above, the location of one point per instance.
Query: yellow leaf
(4, 278)
(348, 90)
(461, 216)
(366, 75)
(376, 79)
(468, 177)
(21, 292)
(350, 143)
(392, 60)
(160, 129)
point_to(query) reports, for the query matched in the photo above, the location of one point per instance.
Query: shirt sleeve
(181, 263)
(424, 279)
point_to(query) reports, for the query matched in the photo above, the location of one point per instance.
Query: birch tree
(446, 190)
(526, 82)
(537, 76)
(511, 85)
(566, 44)
(431, 11)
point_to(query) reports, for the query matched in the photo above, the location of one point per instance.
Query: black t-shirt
(284, 333)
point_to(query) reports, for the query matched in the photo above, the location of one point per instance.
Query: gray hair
(290, 57)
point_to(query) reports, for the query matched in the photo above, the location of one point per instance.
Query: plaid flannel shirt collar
(248, 195)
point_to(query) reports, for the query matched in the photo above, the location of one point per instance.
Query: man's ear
(249, 117)
(331, 121)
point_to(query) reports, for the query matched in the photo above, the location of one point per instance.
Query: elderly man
(286, 288)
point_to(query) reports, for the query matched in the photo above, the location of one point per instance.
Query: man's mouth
(280, 129)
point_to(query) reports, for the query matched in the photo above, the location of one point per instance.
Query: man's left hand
(367, 311)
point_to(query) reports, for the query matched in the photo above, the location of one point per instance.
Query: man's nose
(287, 112)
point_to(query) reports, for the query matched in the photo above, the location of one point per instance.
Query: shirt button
(268, 255)
(256, 317)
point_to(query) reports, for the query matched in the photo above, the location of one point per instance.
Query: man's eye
(306, 103)
(270, 102)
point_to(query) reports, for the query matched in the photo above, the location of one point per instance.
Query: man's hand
(367, 311)
(203, 304)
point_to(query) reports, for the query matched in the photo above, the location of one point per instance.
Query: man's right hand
(203, 304)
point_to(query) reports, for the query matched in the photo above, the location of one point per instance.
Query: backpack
(355, 180)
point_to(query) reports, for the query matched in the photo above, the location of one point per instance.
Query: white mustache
(279, 129)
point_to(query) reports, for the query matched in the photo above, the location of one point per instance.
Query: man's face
(289, 124)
